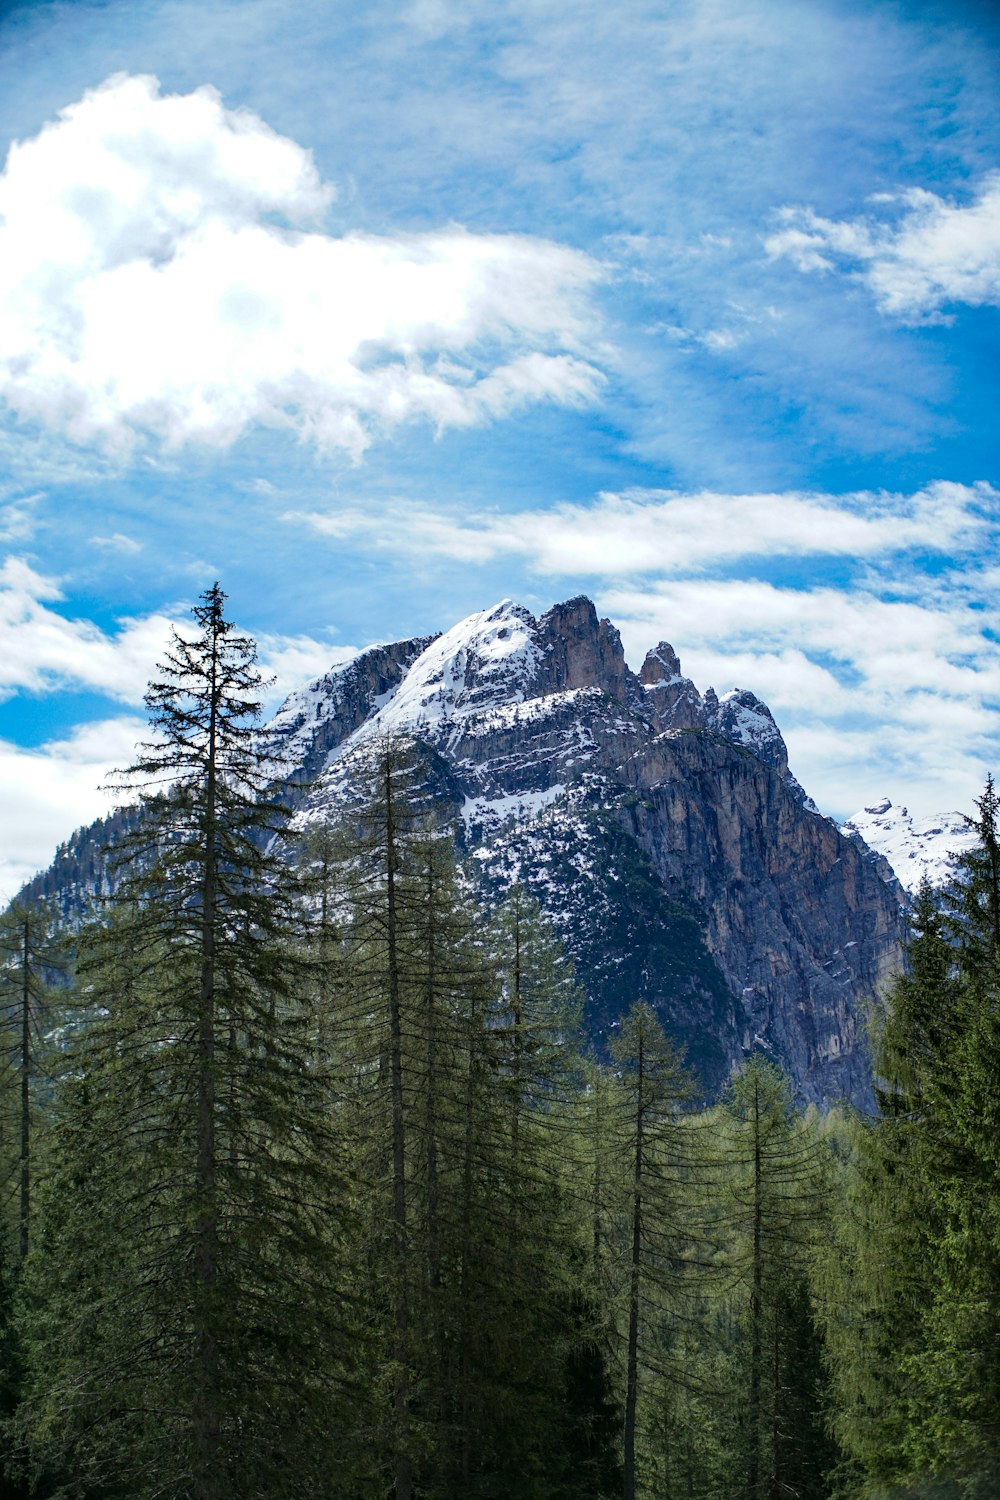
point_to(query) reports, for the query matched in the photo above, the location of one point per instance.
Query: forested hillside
(313, 1189)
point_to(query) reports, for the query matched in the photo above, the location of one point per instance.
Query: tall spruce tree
(915, 1331)
(189, 1334)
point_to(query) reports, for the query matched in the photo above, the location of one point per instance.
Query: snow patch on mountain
(913, 849)
(483, 662)
(293, 728)
(484, 814)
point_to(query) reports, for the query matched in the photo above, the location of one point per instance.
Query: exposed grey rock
(674, 701)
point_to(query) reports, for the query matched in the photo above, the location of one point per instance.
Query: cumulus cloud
(294, 660)
(47, 792)
(937, 252)
(43, 650)
(661, 531)
(164, 275)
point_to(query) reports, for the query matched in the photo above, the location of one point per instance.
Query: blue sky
(379, 317)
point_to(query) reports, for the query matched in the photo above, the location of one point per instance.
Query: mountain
(907, 850)
(660, 828)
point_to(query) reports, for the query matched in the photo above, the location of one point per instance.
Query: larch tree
(653, 1089)
(775, 1183)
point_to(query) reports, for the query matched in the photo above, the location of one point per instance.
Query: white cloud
(664, 532)
(161, 276)
(18, 519)
(42, 650)
(937, 253)
(116, 542)
(294, 660)
(892, 669)
(47, 792)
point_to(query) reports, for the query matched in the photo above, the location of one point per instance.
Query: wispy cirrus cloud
(662, 531)
(936, 252)
(164, 275)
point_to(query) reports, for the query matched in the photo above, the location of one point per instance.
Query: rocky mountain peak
(662, 665)
(582, 651)
(742, 717)
(687, 868)
(673, 699)
(490, 657)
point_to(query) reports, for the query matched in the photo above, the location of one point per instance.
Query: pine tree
(197, 1205)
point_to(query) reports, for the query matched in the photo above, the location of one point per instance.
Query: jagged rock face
(661, 830)
(580, 651)
(312, 723)
(674, 701)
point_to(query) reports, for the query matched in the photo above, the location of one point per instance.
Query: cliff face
(660, 829)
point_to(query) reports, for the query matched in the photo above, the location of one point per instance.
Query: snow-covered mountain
(660, 828)
(912, 849)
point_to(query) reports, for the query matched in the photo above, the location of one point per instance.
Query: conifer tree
(915, 1330)
(776, 1184)
(32, 961)
(209, 1364)
(654, 1087)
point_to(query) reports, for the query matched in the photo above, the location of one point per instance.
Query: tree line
(312, 1188)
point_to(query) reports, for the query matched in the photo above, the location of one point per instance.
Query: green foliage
(186, 1317)
(914, 1332)
(311, 1193)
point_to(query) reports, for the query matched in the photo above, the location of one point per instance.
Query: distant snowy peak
(912, 850)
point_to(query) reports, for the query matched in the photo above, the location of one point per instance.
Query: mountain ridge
(661, 830)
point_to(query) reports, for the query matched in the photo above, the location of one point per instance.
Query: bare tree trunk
(776, 1455)
(518, 1017)
(465, 1356)
(756, 1301)
(431, 1122)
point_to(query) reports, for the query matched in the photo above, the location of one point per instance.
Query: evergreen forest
(312, 1187)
